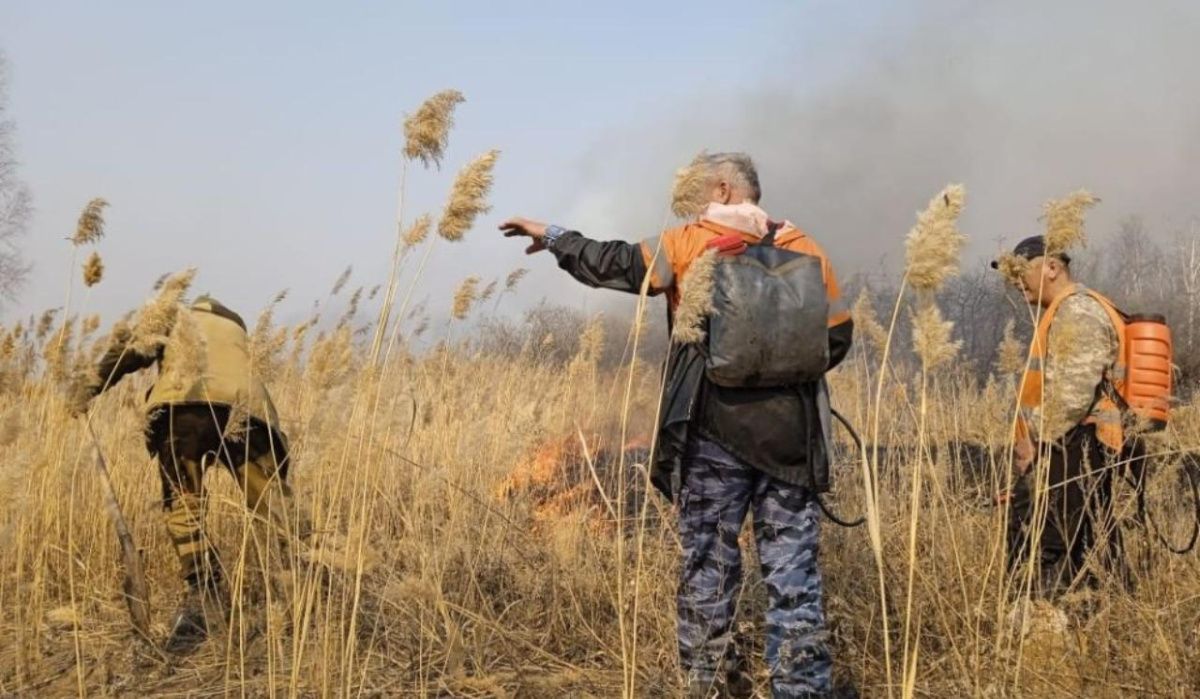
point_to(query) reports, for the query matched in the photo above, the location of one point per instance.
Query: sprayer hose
(820, 501)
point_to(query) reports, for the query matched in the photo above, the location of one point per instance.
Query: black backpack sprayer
(754, 285)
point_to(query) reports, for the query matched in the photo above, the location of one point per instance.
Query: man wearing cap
(1069, 427)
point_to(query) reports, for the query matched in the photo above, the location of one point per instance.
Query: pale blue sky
(259, 141)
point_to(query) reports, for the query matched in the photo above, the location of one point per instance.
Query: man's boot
(201, 613)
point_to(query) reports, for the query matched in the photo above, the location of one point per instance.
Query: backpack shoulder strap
(1116, 315)
(769, 238)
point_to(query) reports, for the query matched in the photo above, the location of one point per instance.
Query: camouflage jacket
(1082, 347)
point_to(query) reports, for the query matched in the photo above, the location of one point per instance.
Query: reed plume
(331, 359)
(351, 307)
(587, 356)
(695, 300)
(1012, 267)
(185, 355)
(237, 425)
(266, 342)
(866, 321)
(464, 297)
(591, 343)
(514, 277)
(9, 346)
(468, 197)
(489, 290)
(299, 335)
(931, 338)
(57, 354)
(1064, 221)
(1010, 358)
(157, 318)
(416, 310)
(933, 244)
(93, 270)
(90, 227)
(341, 281)
(418, 231)
(427, 130)
(688, 195)
(90, 324)
(45, 324)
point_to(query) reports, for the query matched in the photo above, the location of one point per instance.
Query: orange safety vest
(1105, 413)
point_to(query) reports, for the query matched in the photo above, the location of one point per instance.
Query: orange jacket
(668, 256)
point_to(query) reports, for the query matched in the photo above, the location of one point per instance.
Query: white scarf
(745, 217)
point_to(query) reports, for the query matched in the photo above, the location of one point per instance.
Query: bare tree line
(15, 203)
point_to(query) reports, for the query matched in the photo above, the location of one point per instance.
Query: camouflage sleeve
(1082, 346)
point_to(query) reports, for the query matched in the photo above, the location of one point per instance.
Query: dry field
(484, 528)
(474, 548)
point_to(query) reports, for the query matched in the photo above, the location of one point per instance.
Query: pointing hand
(518, 226)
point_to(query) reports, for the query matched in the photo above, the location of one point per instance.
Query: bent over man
(217, 411)
(1069, 431)
(728, 450)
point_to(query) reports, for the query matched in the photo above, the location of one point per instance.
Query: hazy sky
(259, 141)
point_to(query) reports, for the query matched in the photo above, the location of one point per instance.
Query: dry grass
(465, 297)
(1064, 221)
(427, 131)
(418, 231)
(475, 554)
(90, 228)
(1012, 354)
(695, 300)
(932, 338)
(93, 270)
(484, 530)
(468, 197)
(933, 245)
(866, 323)
(689, 195)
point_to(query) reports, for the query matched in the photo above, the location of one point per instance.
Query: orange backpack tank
(1148, 369)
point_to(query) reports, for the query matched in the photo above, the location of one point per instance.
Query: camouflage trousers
(188, 440)
(716, 493)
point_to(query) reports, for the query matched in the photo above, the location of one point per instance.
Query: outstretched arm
(119, 361)
(611, 264)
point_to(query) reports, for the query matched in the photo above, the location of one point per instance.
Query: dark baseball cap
(1031, 248)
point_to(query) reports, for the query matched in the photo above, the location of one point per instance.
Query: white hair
(737, 169)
